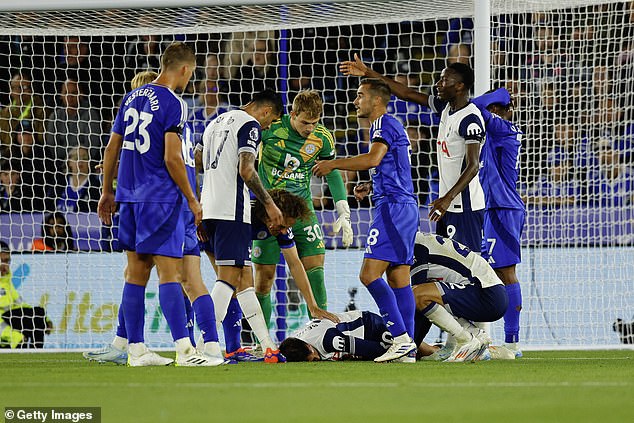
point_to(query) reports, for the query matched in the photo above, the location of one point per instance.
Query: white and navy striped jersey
(456, 130)
(335, 341)
(224, 195)
(439, 259)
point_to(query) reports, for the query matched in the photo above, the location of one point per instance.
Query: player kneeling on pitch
(359, 335)
(453, 287)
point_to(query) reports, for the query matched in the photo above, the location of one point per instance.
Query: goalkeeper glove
(343, 222)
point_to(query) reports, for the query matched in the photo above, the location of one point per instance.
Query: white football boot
(139, 355)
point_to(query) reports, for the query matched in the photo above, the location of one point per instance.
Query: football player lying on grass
(359, 335)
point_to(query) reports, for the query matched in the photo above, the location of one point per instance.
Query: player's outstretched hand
(106, 207)
(319, 313)
(322, 167)
(355, 68)
(197, 210)
(362, 190)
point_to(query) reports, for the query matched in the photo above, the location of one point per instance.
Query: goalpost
(570, 65)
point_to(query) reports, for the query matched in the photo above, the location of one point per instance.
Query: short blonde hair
(176, 54)
(142, 78)
(309, 102)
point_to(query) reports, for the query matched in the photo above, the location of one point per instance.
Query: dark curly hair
(295, 349)
(291, 205)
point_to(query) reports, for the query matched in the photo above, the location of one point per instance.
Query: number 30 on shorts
(313, 232)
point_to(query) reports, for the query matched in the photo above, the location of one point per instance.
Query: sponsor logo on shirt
(310, 148)
(474, 131)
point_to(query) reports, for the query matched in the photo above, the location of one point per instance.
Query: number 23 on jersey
(137, 126)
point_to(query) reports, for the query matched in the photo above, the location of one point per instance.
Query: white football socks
(485, 326)
(445, 321)
(120, 343)
(221, 295)
(212, 349)
(184, 346)
(253, 313)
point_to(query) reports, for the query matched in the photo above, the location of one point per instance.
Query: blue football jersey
(145, 116)
(189, 148)
(191, 243)
(392, 178)
(499, 158)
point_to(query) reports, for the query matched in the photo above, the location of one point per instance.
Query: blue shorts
(152, 228)
(465, 227)
(502, 234)
(392, 233)
(229, 241)
(473, 302)
(191, 238)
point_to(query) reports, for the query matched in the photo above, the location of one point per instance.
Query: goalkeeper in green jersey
(288, 152)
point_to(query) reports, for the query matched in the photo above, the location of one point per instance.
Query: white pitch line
(301, 385)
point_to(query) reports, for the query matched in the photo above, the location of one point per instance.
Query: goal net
(570, 66)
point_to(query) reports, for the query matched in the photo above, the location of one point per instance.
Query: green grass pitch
(559, 386)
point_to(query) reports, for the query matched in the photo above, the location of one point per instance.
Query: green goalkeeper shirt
(286, 158)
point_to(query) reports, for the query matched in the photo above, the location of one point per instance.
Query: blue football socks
(173, 306)
(121, 332)
(385, 299)
(133, 304)
(232, 326)
(407, 306)
(512, 315)
(206, 318)
(189, 316)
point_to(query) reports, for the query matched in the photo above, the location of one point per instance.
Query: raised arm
(358, 68)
